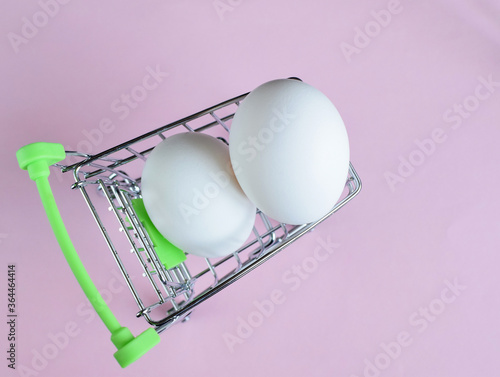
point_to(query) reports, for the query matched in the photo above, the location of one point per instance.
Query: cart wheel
(187, 317)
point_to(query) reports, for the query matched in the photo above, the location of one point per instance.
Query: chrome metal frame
(177, 290)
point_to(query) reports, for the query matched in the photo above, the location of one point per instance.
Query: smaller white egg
(193, 198)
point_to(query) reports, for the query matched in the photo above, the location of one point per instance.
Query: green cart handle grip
(36, 158)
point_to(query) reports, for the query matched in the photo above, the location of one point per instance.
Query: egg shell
(193, 198)
(290, 151)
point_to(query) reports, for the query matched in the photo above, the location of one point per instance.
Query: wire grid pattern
(178, 290)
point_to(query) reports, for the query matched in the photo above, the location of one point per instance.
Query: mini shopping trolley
(166, 283)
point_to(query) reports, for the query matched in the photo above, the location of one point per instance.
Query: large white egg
(193, 198)
(290, 151)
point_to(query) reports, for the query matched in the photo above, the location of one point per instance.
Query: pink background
(398, 246)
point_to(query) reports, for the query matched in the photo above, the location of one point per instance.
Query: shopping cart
(165, 283)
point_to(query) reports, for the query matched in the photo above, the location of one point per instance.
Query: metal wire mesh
(173, 293)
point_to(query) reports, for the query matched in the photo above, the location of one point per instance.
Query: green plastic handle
(36, 158)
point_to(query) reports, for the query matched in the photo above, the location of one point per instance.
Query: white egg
(193, 198)
(290, 151)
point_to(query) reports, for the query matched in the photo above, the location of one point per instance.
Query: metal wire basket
(111, 180)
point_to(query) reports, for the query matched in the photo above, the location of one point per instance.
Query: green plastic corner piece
(37, 157)
(131, 349)
(169, 254)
